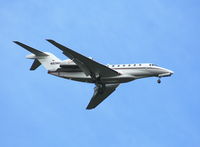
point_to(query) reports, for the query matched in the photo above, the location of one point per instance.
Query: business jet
(84, 69)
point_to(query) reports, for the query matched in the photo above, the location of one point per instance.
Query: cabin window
(129, 65)
(123, 65)
(139, 64)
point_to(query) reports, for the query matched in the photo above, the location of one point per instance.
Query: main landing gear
(159, 81)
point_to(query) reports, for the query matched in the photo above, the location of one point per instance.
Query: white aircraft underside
(80, 68)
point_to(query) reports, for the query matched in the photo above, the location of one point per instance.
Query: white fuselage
(128, 72)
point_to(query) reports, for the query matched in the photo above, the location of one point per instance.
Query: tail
(48, 60)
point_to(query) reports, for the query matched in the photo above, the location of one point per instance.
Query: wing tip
(89, 108)
(50, 40)
(17, 42)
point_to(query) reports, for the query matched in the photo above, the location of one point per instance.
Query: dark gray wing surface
(88, 66)
(101, 94)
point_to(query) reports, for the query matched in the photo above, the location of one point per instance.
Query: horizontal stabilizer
(30, 49)
(35, 64)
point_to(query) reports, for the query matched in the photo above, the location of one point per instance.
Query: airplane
(84, 69)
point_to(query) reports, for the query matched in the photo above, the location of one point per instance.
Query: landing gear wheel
(158, 81)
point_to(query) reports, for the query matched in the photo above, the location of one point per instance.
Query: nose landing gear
(159, 81)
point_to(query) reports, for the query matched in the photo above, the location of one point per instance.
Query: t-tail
(44, 58)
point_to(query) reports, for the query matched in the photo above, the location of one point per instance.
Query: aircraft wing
(88, 66)
(99, 95)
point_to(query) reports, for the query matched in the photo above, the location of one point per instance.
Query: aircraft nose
(170, 71)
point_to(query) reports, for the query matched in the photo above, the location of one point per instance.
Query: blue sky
(37, 109)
